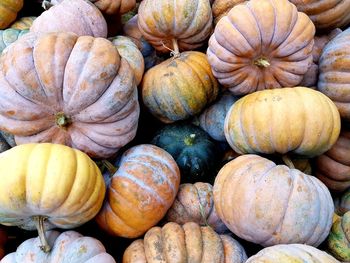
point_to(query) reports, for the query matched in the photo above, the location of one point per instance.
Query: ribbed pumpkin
(338, 240)
(271, 204)
(262, 44)
(333, 167)
(334, 78)
(292, 253)
(140, 192)
(342, 203)
(8, 11)
(48, 185)
(188, 243)
(10, 35)
(23, 23)
(194, 203)
(220, 8)
(179, 87)
(291, 120)
(48, 96)
(166, 24)
(80, 17)
(68, 247)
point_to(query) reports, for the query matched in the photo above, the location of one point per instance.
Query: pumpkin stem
(39, 223)
(262, 62)
(62, 120)
(46, 4)
(176, 52)
(189, 140)
(110, 167)
(288, 161)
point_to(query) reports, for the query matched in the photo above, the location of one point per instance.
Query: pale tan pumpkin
(8, 11)
(220, 8)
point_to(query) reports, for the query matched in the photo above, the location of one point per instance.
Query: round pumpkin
(49, 96)
(80, 17)
(271, 204)
(48, 185)
(338, 239)
(194, 203)
(140, 192)
(262, 44)
(292, 253)
(334, 77)
(220, 8)
(291, 120)
(178, 25)
(10, 35)
(179, 87)
(187, 243)
(8, 11)
(23, 23)
(68, 247)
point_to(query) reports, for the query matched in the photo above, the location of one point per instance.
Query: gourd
(338, 239)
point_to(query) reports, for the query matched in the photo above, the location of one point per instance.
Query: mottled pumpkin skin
(80, 17)
(23, 23)
(140, 192)
(325, 14)
(54, 181)
(292, 253)
(339, 238)
(93, 107)
(334, 78)
(68, 246)
(271, 204)
(220, 8)
(291, 120)
(194, 203)
(262, 44)
(189, 22)
(179, 88)
(8, 11)
(333, 167)
(10, 35)
(182, 244)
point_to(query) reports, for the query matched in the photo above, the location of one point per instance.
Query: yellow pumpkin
(8, 11)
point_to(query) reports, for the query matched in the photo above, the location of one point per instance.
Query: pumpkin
(46, 185)
(338, 239)
(9, 138)
(129, 51)
(140, 192)
(8, 11)
(3, 240)
(70, 246)
(194, 203)
(10, 35)
(333, 167)
(292, 253)
(4, 146)
(247, 55)
(342, 203)
(220, 8)
(271, 204)
(179, 25)
(334, 77)
(80, 17)
(48, 96)
(291, 120)
(193, 150)
(179, 87)
(23, 23)
(212, 119)
(182, 244)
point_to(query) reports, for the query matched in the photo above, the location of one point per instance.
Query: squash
(290, 120)
(220, 8)
(10, 35)
(129, 51)
(23, 23)
(193, 150)
(48, 96)
(67, 247)
(212, 119)
(194, 203)
(80, 17)
(342, 203)
(8, 11)
(178, 24)
(334, 77)
(338, 240)
(140, 192)
(271, 204)
(187, 243)
(48, 185)
(179, 87)
(247, 55)
(292, 253)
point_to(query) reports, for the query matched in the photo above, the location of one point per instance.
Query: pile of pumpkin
(175, 131)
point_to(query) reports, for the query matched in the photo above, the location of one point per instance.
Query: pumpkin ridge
(241, 128)
(257, 24)
(115, 214)
(297, 146)
(237, 29)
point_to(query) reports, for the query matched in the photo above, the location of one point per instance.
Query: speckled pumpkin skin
(338, 239)
(271, 204)
(179, 88)
(8, 11)
(182, 244)
(10, 35)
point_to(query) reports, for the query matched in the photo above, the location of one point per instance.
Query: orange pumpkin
(8, 11)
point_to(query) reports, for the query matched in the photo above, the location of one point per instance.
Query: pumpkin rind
(220, 8)
(10, 35)
(290, 120)
(23, 23)
(8, 11)
(270, 204)
(48, 96)
(342, 203)
(338, 239)
(262, 44)
(140, 192)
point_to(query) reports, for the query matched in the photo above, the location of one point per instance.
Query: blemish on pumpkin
(10, 112)
(82, 249)
(168, 74)
(299, 189)
(289, 181)
(103, 75)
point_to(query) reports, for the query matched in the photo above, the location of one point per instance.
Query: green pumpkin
(338, 239)
(10, 35)
(342, 203)
(194, 151)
